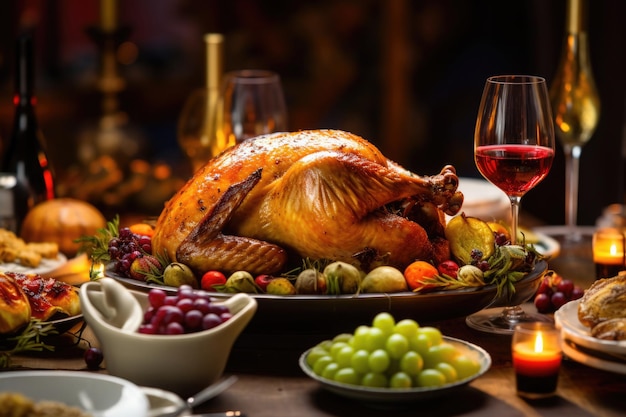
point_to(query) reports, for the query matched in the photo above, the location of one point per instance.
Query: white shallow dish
(566, 318)
(580, 346)
(590, 359)
(98, 394)
(393, 396)
(45, 266)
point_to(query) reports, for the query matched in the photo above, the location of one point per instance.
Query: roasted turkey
(276, 199)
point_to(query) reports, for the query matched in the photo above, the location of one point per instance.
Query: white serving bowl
(98, 394)
(183, 364)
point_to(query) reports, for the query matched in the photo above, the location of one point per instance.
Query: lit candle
(608, 252)
(536, 351)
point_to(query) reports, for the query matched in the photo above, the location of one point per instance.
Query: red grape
(186, 312)
(93, 357)
(554, 291)
(543, 303)
(566, 286)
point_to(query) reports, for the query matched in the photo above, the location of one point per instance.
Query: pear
(177, 274)
(384, 279)
(465, 234)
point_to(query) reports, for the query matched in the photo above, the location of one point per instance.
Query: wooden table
(271, 384)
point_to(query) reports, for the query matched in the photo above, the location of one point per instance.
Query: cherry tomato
(449, 268)
(262, 281)
(212, 278)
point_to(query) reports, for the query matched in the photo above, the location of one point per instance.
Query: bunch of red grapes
(127, 247)
(555, 291)
(188, 311)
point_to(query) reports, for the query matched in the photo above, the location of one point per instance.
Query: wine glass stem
(572, 163)
(515, 203)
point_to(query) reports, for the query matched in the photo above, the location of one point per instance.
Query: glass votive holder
(537, 353)
(609, 252)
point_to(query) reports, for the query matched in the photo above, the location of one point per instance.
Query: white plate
(566, 318)
(46, 266)
(484, 200)
(98, 394)
(396, 396)
(574, 353)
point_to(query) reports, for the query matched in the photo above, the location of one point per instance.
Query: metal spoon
(206, 394)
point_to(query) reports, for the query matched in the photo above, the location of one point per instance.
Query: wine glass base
(492, 320)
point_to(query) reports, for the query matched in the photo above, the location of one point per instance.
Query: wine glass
(252, 103)
(513, 149)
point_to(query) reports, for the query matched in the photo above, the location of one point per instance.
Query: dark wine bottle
(25, 155)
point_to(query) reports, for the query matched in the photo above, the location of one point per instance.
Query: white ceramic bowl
(98, 394)
(183, 364)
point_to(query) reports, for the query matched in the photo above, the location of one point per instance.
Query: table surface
(271, 383)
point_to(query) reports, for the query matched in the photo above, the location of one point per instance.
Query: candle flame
(613, 249)
(539, 342)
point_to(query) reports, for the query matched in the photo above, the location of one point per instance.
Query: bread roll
(613, 329)
(604, 300)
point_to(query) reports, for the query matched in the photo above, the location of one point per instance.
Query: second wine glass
(513, 149)
(252, 104)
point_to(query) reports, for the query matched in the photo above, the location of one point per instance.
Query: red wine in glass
(514, 169)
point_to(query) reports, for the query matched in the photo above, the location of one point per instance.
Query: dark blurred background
(405, 74)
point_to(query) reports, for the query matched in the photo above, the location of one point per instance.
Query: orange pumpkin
(62, 220)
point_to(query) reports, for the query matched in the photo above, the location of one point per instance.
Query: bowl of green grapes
(391, 361)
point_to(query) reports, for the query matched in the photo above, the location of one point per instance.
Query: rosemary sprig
(97, 246)
(28, 341)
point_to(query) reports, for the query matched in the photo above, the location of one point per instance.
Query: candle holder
(609, 252)
(537, 353)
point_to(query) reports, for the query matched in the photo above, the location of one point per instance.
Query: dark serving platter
(327, 312)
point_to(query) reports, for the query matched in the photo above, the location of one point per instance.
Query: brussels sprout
(342, 278)
(310, 281)
(470, 274)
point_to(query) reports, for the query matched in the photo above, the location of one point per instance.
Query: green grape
(420, 343)
(433, 333)
(336, 347)
(315, 353)
(360, 361)
(385, 322)
(359, 340)
(347, 376)
(411, 363)
(465, 366)
(448, 371)
(444, 352)
(397, 345)
(400, 380)
(379, 360)
(330, 370)
(374, 379)
(375, 339)
(344, 356)
(430, 378)
(406, 327)
(321, 363)
(326, 344)
(342, 337)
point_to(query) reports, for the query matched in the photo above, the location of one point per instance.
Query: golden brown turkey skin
(322, 194)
